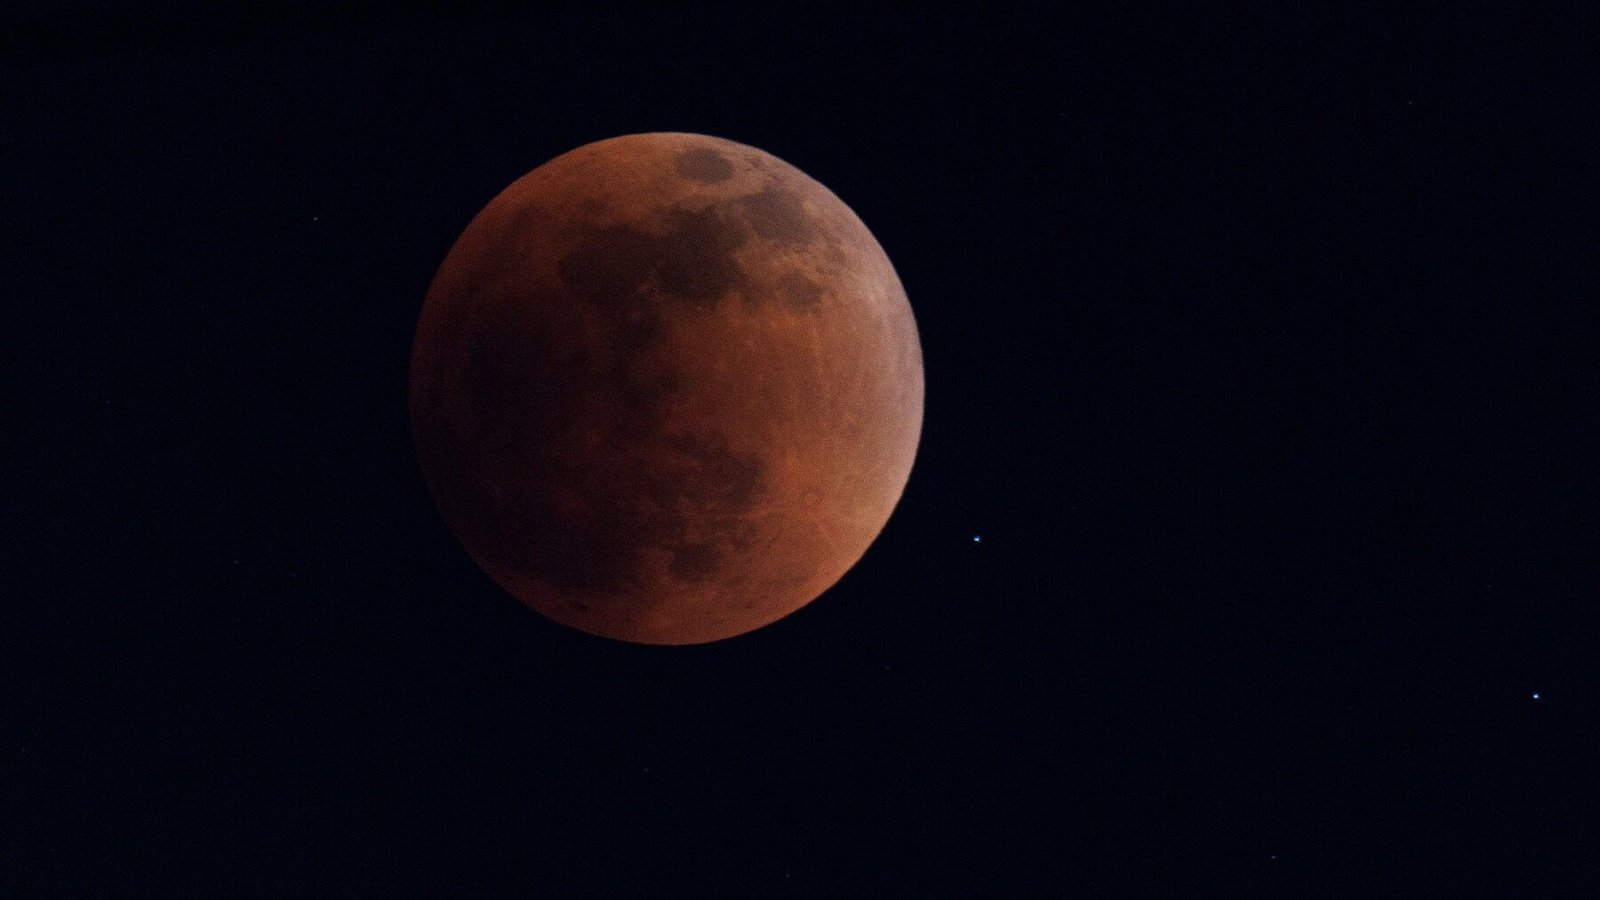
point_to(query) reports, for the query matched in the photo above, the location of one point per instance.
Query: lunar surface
(666, 388)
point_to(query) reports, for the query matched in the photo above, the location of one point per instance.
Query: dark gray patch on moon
(691, 496)
(801, 293)
(609, 264)
(697, 261)
(704, 165)
(732, 481)
(693, 261)
(713, 487)
(641, 373)
(776, 214)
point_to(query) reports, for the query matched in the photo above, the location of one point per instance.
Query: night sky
(1261, 353)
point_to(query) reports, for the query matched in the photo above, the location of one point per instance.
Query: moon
(666, 388)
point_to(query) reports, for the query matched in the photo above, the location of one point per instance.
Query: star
(1535, 695)
(977, 539)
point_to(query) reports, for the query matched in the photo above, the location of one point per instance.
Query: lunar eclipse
(666, 388)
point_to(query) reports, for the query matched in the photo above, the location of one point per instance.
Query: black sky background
(1260, 352)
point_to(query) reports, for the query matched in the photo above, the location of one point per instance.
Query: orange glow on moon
(666, 388)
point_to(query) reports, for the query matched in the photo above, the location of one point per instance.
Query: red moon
(666, 388)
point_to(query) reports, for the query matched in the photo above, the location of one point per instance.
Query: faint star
(977, 539)
(1535, 695)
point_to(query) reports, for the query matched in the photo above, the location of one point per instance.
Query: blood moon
(666, 388)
